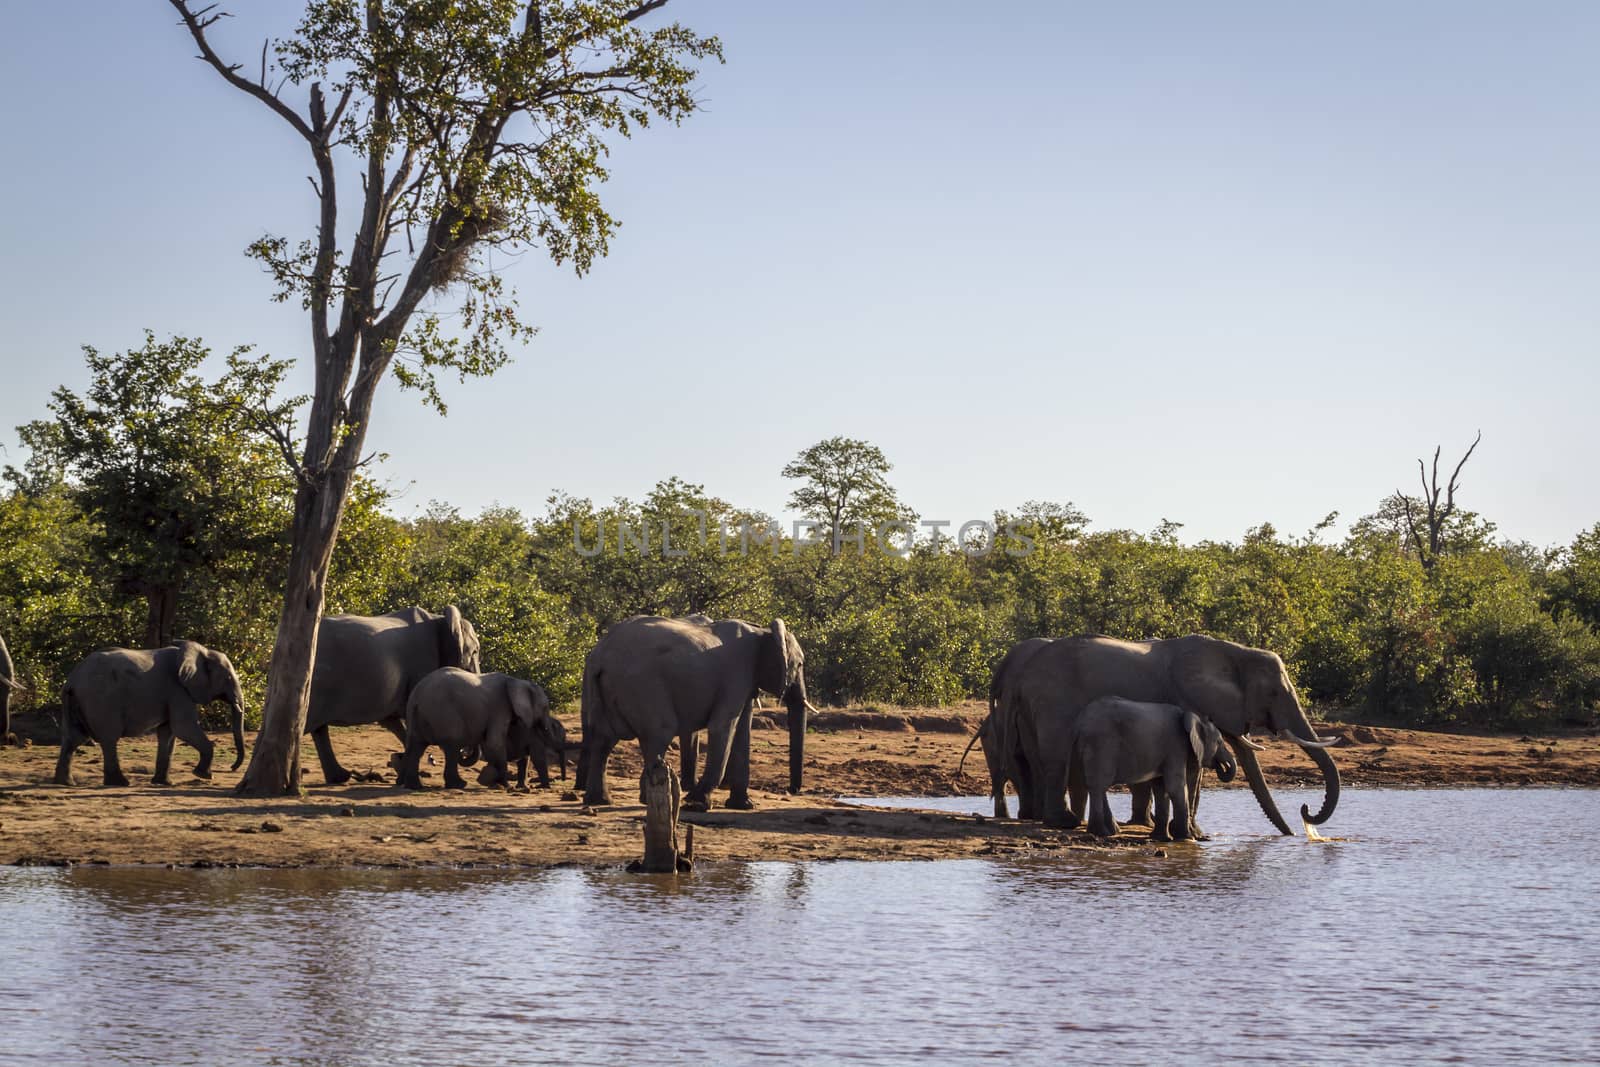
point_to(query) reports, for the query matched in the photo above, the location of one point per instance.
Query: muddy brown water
(1439, 926)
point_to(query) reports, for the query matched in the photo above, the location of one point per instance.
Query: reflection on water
(1448, 926)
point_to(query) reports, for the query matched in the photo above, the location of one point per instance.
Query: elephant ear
(189, 656)
(523, 707)
(775, 661)
(1208, 681)
(1195, 730)
(453, 641)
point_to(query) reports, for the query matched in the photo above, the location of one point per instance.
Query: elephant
(501, 716)
(1238, 688)
(8, 681)
(120, 692)
(367, 666)
(534, 750)
(1116, 741)
(656, 679)
(1001, 769)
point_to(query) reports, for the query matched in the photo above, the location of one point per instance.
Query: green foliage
(1499, 633)
(844, 483)
(481, 125)
(173, 472)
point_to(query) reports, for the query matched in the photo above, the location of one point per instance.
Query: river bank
(850, 754)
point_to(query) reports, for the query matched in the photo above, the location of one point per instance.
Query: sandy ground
(371, 823)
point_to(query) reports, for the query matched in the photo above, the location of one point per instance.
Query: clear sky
(1222, 263)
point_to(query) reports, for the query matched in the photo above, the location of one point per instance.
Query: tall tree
(173, 469)
(844, 482)
(470, 125)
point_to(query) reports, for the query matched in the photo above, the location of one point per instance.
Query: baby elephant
(122, 692)
(501, 716)
(1117, 741)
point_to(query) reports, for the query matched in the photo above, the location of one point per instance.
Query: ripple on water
(1445, 926)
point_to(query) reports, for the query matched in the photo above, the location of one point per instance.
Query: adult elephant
(123, 692)
(8, 681)
(1238, 688)
(367, 666)
(656, 679)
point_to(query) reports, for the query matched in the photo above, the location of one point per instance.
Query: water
(1446, 926)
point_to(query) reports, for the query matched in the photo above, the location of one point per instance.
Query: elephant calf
(501, 716)
(122, 692)
(536, 751)
(1127, 742)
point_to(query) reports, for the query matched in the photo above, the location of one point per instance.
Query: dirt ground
(860, 753)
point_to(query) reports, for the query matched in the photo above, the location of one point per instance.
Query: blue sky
(1222, 263)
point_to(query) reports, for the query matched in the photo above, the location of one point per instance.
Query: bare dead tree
(1428, 535)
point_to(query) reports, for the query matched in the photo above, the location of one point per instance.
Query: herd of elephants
(1068, 717)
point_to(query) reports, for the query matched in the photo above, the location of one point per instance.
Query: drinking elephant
(8, 681)
(495, 714)
(121, 692)
(1005, 767)
(1126, 742)
(367, 666)
(656, 679)
(1237, 688)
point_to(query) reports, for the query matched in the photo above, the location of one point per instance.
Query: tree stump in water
(662, 796)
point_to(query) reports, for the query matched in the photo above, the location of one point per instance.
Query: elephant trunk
(238, 735)
(1258, 784)
(1294, 726)
(1330, 787)
(796, 705)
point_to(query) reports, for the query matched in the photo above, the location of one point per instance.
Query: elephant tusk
(812, 708)
(1253, 746)
(1315, 742)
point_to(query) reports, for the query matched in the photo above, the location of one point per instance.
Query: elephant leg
(409, 774)
(397, 727)
(737, 778)
(71, 738)
(184, 721)
(494, 759)
(1161, 828)
(688, 755)
(1177, 789)
(1026, 782)
(1142, 794)
(1077, 795)
(332, 773)
(163, 755)
(1194, 810)
(112, 772)
(597, 753)
(997, 790)
(1100, 822)
(522, 773)
(719, 743)
(63, 775)
(1053, 787)
(1054, 756)
(452, 763)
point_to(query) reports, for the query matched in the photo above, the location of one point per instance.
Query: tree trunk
(161, 611)
(662, 797)
(275, 760)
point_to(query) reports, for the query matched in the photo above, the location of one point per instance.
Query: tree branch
(198, 22)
